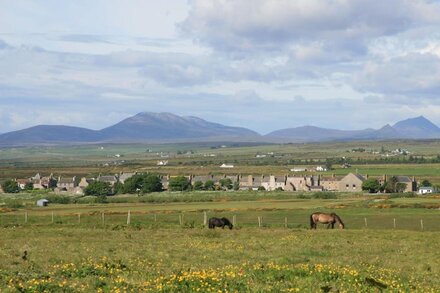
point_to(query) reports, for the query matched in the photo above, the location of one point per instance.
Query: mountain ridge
(168, 127)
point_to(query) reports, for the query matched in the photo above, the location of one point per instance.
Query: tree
(425, 183)
(98, 188)
(371, 185)
(179, 183)
(226, 183)
(390, 185)
(29, 186)
(236, 185)
(143, 182)
(10, 186)
(209, 185)
(52, 183)
(198, 185)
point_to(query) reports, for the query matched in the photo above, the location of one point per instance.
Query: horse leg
(328, 225)
(333, 225)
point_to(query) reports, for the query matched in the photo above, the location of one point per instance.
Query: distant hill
(418, 127)
(142, 127)
(167, 127)
(414, 128)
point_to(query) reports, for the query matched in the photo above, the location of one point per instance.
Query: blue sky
(261, 64)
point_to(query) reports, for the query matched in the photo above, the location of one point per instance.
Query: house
(42, 202)
(273, 182)
(165, 180)
(162, 163)
(249, 182)
(410, 184)
(321, 169)
(298, 169)
(67, 183)
(111, 179)
(303, 183)
(22, 182)
(351, 183)
(41, 182)
(426, 190)
(124, 176)
(330, 183)
(226, 166)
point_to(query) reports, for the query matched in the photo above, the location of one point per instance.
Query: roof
(107, 178)
(43, 200)
(403, 179)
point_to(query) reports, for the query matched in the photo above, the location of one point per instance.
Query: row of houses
(348, 183)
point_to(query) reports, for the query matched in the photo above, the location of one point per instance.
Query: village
(294, 182)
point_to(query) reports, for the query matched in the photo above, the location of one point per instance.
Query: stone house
(67, 183)
(410, 184)
(273, 182)
(111, 179)
(351, 183)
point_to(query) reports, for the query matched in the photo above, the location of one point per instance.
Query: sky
(260, 64)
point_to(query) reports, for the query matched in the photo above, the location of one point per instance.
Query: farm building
(42, 202)
(426, 190)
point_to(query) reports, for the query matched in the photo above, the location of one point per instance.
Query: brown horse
(329, 219)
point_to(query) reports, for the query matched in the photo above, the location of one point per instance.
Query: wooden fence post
(180, 219)
(394, 223)
(234, 220)
(128, 217)
(79, 218)
(366, 224)
(421, 224)
(103, 218)
(205, 219)
(25, 216)
(155, 218)
(259, 222)
(52, 218)
(285, 222)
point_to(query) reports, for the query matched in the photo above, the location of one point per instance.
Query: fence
(240, 219)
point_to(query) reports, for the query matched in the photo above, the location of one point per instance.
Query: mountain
(313, 134)
(143, 127)
(414, 128)
(169, 126)
(43, 134)
(418, 127)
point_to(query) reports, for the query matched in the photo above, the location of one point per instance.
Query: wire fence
(197, 219)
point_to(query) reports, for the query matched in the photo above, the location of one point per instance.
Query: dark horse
(329, 219)
(217, 222)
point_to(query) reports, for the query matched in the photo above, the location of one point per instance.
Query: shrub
(324, 195)
(98, 188)
(179, 183)
(10, 186)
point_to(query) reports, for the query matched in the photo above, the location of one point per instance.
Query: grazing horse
(329, 219)
(217, 222)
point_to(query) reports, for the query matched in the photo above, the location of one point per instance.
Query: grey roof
(403, 179)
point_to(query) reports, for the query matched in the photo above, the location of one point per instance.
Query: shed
(42, 202)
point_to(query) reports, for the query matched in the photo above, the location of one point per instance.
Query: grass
(166, 248)
(248, 259)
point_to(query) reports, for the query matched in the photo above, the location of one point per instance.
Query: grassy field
(166, 248)
(91, 160)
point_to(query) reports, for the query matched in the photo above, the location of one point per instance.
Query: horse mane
(226, 221)
(338, 219)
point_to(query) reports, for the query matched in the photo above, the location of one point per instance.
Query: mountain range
(167, 127)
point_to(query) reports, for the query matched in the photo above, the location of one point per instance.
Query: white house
(426, 190)
(226, 166)
(321, 169)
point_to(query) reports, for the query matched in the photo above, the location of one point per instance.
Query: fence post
(366, 224)
(233, 220)
(103, 218)
(155, 218)
(285, 222)
(394, 223)
(180, 220)
(259, 222)
(52, 218)
(79, 218)
(128, 217)
(421, 224)
(25, 216)
(205, 219)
